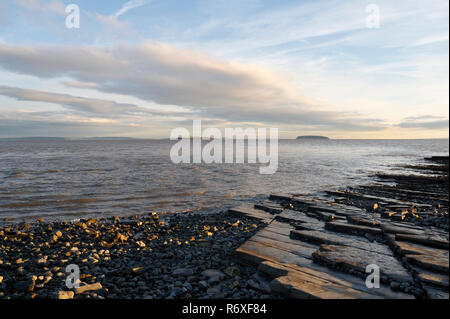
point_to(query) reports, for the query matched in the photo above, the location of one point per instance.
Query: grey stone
(212, 273)
(26, 286)
(185, 272)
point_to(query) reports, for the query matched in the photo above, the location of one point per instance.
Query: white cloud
(131, 5)
(169, 76)
(111, 21)
(430, 40)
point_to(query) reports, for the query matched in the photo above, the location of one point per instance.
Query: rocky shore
(178, 256)
(287, 246)
(325, 246)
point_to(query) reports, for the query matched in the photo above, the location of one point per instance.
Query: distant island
(33, 138)
(312, 137)
(52, 138)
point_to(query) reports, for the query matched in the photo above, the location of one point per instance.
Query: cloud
(421, 117)
(130, 5)
(428, 122)
(55, 6)
(87, 106)
(79, 85)
(111, 22)
(430, 40)
(169, 76)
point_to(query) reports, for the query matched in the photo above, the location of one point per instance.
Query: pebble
(215, 293)
(203, 284)
(232, 271)
(26, 286)
(140, 244)
(213, 273)
(86, 288)
(183, 272)
(251, 283)
(395, 285)
(65, 294)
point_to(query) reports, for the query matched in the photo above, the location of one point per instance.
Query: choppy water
(68, 179)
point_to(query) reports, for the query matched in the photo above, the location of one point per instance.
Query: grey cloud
(422, 117)
(432, 125)
(88, 105)
(79, 85)
(169, 76)
(98, 107)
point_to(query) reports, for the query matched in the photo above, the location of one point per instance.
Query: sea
(72, 179)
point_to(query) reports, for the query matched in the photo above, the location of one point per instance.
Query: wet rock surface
(320, 247)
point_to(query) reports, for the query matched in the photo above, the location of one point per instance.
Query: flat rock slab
(270, 207)
(431, 278)
(325, 216)
(294, 247)
(429, 241)
(392, 228)
(329, 238)
(249, 211)
(398, 207)
(301, 285)
(351, 258)
(407, 248)
(300, 219)
(371, 198)
(362, 221)
(429, 263)
(254, 253)
(316, 237)
(352, 229)
(314, 248)
(279, 231)
(318, 282)
(280, 196)
(279, 228)
(435, 293)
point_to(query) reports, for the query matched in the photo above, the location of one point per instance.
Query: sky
(343, 69)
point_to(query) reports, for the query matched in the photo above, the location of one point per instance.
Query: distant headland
(53, 138)
(312, 137)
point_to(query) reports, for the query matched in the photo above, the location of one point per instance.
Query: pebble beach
(145, 257)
